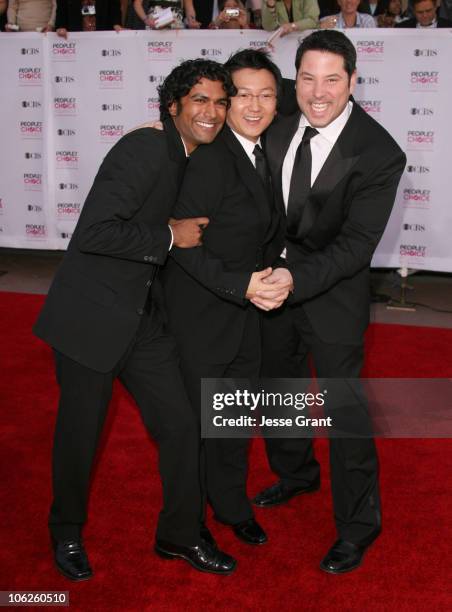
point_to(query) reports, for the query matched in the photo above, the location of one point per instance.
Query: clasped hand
(187, 233)
(269, 288)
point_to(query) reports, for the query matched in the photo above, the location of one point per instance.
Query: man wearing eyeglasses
(208, 289)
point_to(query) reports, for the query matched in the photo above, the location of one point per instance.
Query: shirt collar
(248, 145)
(185, 148)
(331, 131)
(434, 24)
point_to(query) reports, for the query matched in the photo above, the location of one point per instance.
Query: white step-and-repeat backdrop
(64, 103)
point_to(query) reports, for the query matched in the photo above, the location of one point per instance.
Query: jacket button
(148, 283)
(146, 258)
(140, 311)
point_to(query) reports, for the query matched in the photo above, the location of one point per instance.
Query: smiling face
(200, 115)
(425, 12)
(323, 87)
(254, 107)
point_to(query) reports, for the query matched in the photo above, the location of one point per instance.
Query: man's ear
(172, 109)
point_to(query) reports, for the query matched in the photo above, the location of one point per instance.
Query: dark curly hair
(331, 41)
(185, 76)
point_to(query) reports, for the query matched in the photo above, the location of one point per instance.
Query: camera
(232, 12)
(88, 9)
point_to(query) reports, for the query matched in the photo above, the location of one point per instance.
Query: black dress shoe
(72, 560)
(279, 493)
(342, 557)
(250, 532)
(207, 536)
(203, 557)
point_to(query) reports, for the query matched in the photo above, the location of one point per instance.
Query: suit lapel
(278, 139)
(176, 150)
(340, 161)
(249, 176)
(342, 158)
(333, 170)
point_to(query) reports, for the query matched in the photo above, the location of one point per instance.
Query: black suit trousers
(288, 342)
(150, 371)
(224, 461)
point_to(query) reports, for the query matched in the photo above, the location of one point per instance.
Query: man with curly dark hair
(185, 76)
(109, 279)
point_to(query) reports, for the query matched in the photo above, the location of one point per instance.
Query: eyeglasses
(263, 98)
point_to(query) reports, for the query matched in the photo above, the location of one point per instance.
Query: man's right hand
(256, 283)
(187, 233)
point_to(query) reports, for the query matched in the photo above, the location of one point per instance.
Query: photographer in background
(201, 13)
(232, 16)
(87, 16)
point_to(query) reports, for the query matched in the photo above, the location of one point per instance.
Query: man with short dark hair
(335, 172)
(208, 289)
(108, 279)
(425, 16)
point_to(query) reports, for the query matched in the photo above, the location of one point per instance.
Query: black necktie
(262, 166)
(300, 182)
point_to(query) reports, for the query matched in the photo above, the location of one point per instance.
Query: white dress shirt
(321, 145)
(248, 145)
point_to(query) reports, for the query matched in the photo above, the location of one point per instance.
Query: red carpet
(408, 568)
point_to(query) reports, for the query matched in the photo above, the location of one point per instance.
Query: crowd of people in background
(65, 16)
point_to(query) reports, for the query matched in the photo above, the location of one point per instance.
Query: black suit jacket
(205, 287)
(96, 300)
(412, 23)
(69, 14)
(342, 223)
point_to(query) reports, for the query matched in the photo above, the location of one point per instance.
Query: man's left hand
(280, 283)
